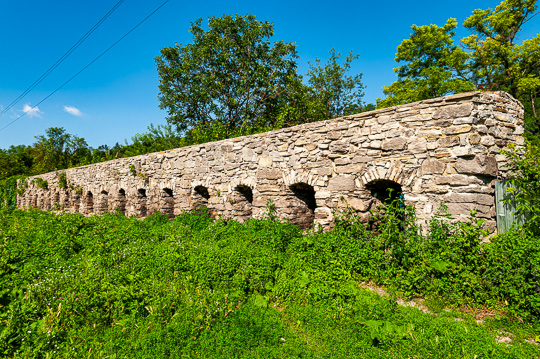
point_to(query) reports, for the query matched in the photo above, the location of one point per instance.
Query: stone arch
(392, 171)
(167, 202)
(141, 205)
(301, 205)
(103, 203)
(247, 181)
(385, 191)
(121, 201)
(89, 202)
(293, 177)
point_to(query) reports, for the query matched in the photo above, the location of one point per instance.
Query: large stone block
(454, 111)
(432, 166)
(394, 144)
(269, 173)
(341, 183)
(478, 165)
(457, 180)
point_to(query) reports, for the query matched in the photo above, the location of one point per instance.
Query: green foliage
(111, 286)
(493, 60)
(230, 75)
(58, 150)
(41, 183)
(133, 170)
(333, 92)
(9, 188)
(524, 174)
(434, 66)
(62, 180)
(158, 138)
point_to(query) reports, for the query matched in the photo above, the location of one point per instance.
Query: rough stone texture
(440, 150)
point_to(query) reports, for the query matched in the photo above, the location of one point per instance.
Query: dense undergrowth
(116, 287)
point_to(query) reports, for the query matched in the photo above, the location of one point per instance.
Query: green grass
(116, 287)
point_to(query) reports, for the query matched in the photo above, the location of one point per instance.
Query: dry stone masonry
(445, 149)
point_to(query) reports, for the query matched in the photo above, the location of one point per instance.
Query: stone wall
(440, 150)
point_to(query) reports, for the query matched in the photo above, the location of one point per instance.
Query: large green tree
(491, 59)
(334, 92)
(231, 76)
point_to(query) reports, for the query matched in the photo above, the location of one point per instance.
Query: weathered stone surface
(269, 174)
(341, 183)
(432, 166)
(312, 169)
(452, 130)
(454, 111)
(478, 165)
(394, 144)
(339, 147)
(482, 199)
(457, 180)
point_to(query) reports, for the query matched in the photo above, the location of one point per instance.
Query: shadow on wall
(303, 204)
(242, 203)
(385, 191)
(89, 203)
(199, 197)
(167, 202)
(141, 206)
(121, 201)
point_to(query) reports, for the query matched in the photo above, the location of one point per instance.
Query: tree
(57, 149)
(333, 92)
(498, 62)
(492, 59)
(231, 76)
(433, 67)
(158, 138)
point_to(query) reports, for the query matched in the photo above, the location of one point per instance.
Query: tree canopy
(231, 75)
(232, 80)
(490, 58)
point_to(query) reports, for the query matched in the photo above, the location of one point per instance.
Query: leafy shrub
(62, 180)
(524, 175)
(114, 286)
(41, 183)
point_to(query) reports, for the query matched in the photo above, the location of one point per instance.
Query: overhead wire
(89, 64)
(62, 58)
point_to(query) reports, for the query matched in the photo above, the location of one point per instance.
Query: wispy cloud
(32, 111)
(73, 110)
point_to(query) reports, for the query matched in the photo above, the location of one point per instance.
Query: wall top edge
(473, 96)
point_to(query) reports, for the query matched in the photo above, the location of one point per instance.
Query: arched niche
(167, 202)
(141, 205)
(241, 202)
(303, 204)
(385, 191)
(103, 204)
(199, 197)
(120, 202)
(89, 201)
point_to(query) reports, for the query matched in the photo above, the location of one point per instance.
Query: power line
(62, 58)
(89, 64)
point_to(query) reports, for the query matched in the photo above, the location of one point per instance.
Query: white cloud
(32, 111)
(73, 110)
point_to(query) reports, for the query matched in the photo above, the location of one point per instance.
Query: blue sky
(116, 97)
